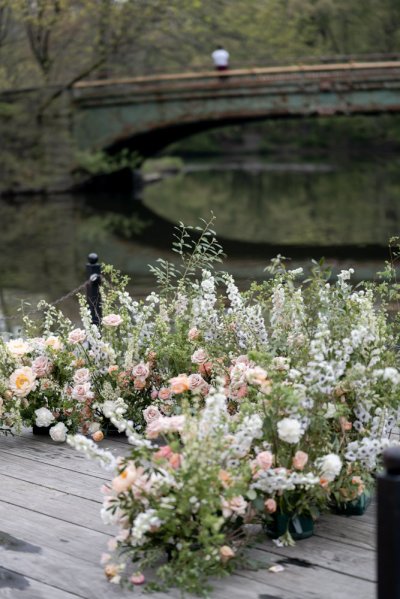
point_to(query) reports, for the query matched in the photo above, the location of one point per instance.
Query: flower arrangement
(266, 406)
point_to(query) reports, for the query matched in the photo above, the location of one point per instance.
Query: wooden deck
(51, 538)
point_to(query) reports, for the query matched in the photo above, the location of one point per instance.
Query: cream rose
(53, 342)
(81, 376)
(112, 320)
(22, 381)
(82, 392)
(18, 347)
(164, 393)
(77, 336)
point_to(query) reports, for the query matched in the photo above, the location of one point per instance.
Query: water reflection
(261, 210)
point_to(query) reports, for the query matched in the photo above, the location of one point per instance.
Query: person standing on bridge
(220, 58)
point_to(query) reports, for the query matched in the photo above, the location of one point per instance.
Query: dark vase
(357, 507)
(300, 527)
(110, 430)
(40, 430)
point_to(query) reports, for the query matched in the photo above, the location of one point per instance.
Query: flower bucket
(40, 430)
(110, 430)
(357, 507)
(300, 527)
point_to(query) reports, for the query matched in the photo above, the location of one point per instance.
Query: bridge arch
(148, 113)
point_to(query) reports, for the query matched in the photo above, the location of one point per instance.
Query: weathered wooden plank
(66, 573)
(347, 533)
(22, 525)
(16, 586)
(313, 581)
(327, 553)
(52, 477)
(50, 502)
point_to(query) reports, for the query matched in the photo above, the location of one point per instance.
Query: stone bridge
(148, 113)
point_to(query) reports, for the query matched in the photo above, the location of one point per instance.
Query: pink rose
(205, 369)
(163, 452)
(193, 334)
(77, 336)
(42, 366)
(197, 383)
(264, 460)
(137, 578)
(270, 506)
(175, 460)
(151, 413)
(82, 375)
(154, 394)
(112, 320)
(300, 460)
(239, 393)
(164, 393)
(199, 357)
(82, 392)
(141, 370)
(236, 506)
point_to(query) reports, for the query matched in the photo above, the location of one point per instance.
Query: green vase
(300, 527)
(356, 507)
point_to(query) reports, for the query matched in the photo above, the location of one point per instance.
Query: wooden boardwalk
(51, 538)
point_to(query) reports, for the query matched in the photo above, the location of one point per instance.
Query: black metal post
(93, 271)
(388, 496)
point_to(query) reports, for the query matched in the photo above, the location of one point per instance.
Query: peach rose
(270, 506)
(53, 342)
(112, 369)
(98, 436)
(164, 393)
(300, 459)
(163, 452)
(345, 425)
(357, 480)
(205, 369)
(139, 384)
(226, 553)
(236, 506)
(175, 460)
(179, 384)
(225, 478)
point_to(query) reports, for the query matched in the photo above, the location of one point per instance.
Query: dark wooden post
(389, 526)
(93, 271)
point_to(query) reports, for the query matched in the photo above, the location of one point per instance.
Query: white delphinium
(249, 429)
(343, 276)
(214, 416)
(248, 319)
(278, 480)
(93, 451)
(367, 451)
(114, 411)
(204, 315)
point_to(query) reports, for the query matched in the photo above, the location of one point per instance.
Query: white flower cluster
(144, 522)
(92, 451)
(279, 480)
(367, 451)
(204, 314)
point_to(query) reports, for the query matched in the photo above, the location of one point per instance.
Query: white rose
(112, 320)
(289, 430)
(77, 336)
(53, 342)
(330, 466)
(43, 417)
(22, 381)
(199, 357)
(151, 413)
(18, 347)
(82, 375)
(58, 432)
(42, 366)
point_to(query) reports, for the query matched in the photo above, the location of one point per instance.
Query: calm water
(346, 213)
